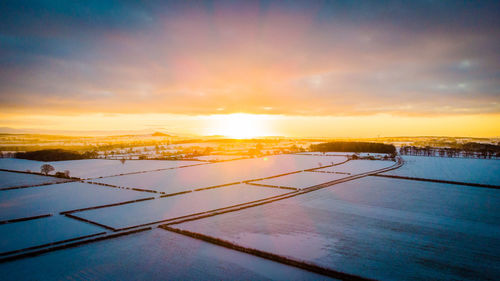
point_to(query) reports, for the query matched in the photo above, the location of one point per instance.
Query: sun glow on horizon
(238, 125)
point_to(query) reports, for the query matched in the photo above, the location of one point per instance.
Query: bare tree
(46, 169)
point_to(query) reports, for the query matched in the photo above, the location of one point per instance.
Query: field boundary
(61, 180)
(266, 255)
(121, 187)
(89, 221)
(105, 206)
(50, 244)
(71, 244)
(440, 181)
(25, 219)
(272, 186)
(327, 166)
(149, 171)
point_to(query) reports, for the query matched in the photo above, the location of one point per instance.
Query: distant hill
(160, 134)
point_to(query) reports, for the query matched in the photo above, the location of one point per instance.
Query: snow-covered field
(374, 227)
(380, 228)
(149, 211)
(219, 157)
(91, 168)
(25, 234)
(189, 178)
(480, 171)
(50, 199)
(20, 164)
(358, 166)
(12, 179)
(151, 255)
(301, 180)
(308, 179)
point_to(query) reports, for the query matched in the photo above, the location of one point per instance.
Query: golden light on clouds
(245, 69)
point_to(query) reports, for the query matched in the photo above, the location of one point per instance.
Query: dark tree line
(55, 155)
(469, 150)
(354, 147)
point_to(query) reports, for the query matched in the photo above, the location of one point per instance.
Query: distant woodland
(469, 150)
(354, 147)
(55, 155)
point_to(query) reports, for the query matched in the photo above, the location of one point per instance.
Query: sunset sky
(248, 68)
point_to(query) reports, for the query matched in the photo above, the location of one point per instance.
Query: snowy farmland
(358, 167)
(150, 211)
(219, 157)
(50, 199)
(12, 179)
(202, 176)
(467, 170)
(373, 225)
(92, 168)
(319, 176)
(300, 180)
(35, 233)
(151, 255)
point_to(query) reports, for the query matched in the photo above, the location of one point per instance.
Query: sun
(239, 125)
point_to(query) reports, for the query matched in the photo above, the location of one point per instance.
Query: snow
(152, 255)
(12, 179)
(220, 157)
(20, 164)
(308, 179)
(358, 166)
(480, 171)
(150, 211)
(91, 168)
(381, 228)
(47, 199)
(25, 234)
(301, 180)
(190, 178)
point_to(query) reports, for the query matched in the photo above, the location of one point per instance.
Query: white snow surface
(50, 199)
(381, 228)
(468, 170)
(190, 178)
(13, 179)
(151, 255)
(25, 234)
(219, 157)
(20, 164)
(358, 166)
(150, 211)
(91, 168)
(301, 180)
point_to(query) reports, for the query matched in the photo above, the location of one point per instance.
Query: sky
(291, 68)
